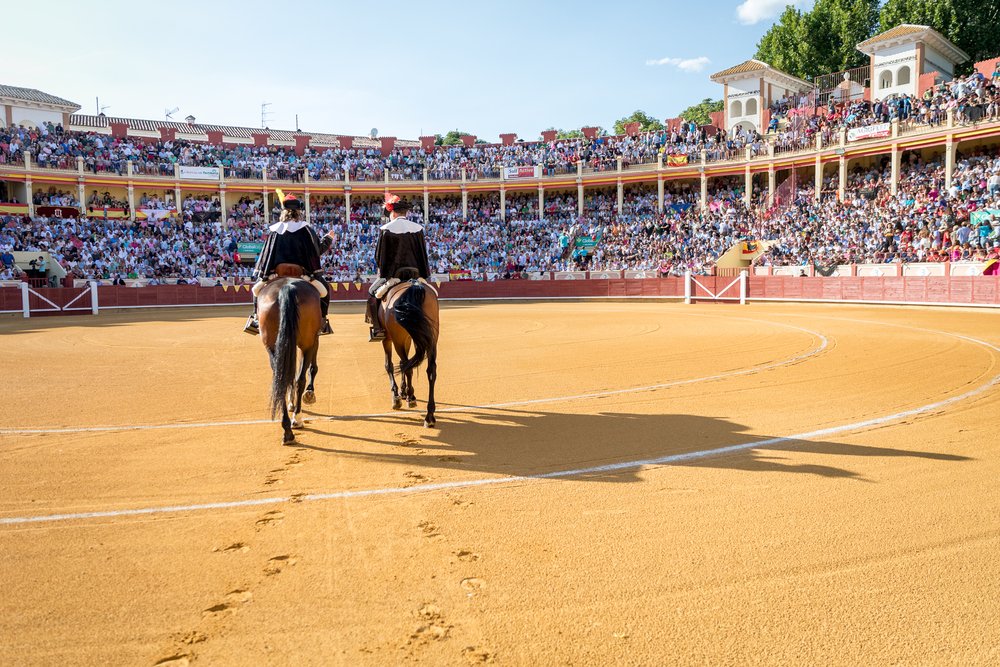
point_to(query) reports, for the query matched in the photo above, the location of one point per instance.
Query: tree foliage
(453, 138)
(563, 134)
(699, 112)
(972, 25)
(646, 123)
(822, 40)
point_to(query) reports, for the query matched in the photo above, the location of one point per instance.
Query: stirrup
(325, 330)
(251, 326)
(376, 335)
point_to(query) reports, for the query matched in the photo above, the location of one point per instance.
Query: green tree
(822, 40)
(972, 25)
(699, 112)
(646, 123)
(564, 134)
(453, 138)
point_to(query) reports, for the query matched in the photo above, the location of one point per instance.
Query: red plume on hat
(390, 199)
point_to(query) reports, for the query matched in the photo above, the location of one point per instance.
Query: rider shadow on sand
(532, 443)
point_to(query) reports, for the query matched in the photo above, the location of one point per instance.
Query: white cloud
(689, 65)
(754, 11)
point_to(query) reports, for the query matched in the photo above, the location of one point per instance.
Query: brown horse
(410, 313)
(289, 315)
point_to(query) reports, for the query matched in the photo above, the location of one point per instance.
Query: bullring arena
(630, 481)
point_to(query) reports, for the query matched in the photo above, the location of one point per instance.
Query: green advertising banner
(979, 216)
(585, 244)
(249, 248)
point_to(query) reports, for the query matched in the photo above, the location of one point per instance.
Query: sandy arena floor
(854, 519)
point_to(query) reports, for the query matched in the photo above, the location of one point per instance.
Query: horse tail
(284, 357)
(410, 315)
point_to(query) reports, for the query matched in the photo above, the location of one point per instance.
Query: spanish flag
(676, 160)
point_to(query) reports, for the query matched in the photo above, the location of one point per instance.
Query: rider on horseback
(292, 241)
(401, 246)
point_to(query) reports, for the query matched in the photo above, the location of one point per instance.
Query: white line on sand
(613, 467)
(469, 408)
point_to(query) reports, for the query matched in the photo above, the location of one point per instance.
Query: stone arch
(736, 109)
(903, 75)
(751, 108)
(885, 80)
(28, 125)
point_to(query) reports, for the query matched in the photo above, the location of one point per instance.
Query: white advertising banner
(511, 173)
(200, 173)
(869, 132)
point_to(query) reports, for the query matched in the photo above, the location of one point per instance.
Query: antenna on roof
(170, 113)
(100, 109)
(264, 114)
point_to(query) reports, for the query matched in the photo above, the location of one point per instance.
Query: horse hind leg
(429, 419)
(309, 397)
(300, 385)
(397, 402)
(406, 390)
(289, 437)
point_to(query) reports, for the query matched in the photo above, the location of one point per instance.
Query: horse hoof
(397, 404)
(309, 397)
(297, 424)
(288, 441)
(412, 403)
(429, 423)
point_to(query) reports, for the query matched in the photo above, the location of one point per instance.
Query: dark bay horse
(289, 315)
(410, 313)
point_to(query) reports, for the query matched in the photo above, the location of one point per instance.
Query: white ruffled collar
(288, 226)
(402, 226)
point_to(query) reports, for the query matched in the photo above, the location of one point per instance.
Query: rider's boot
(324, 305)
(377, 333)
(252, 326)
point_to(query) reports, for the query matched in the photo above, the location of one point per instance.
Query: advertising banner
(200, 173)
(870, 132)
(511, 173)
(249, 248)
(585, 244)
(979, 216)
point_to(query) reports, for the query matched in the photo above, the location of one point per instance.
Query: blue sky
(401, 67)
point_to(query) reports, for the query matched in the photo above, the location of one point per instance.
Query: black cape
(302, 247)
(396, 251)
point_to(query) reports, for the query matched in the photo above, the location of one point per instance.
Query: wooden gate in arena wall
(719, 289)
(43, 301)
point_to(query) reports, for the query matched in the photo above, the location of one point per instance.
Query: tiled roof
(898, 31)
(32, 95)
(228, 131)
(749, 66)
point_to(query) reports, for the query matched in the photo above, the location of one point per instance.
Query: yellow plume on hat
(281, 197)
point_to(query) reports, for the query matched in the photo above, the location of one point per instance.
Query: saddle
(289, 270)
(402, 273)
(387, 291)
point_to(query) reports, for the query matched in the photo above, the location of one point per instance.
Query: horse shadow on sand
(601, 447)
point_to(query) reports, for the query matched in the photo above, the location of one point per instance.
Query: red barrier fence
(937, 290)
(942, 290)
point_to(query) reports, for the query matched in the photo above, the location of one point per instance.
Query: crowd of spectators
(927, 221)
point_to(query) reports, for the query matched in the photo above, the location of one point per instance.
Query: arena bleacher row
(927, 221)
(972, 98)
